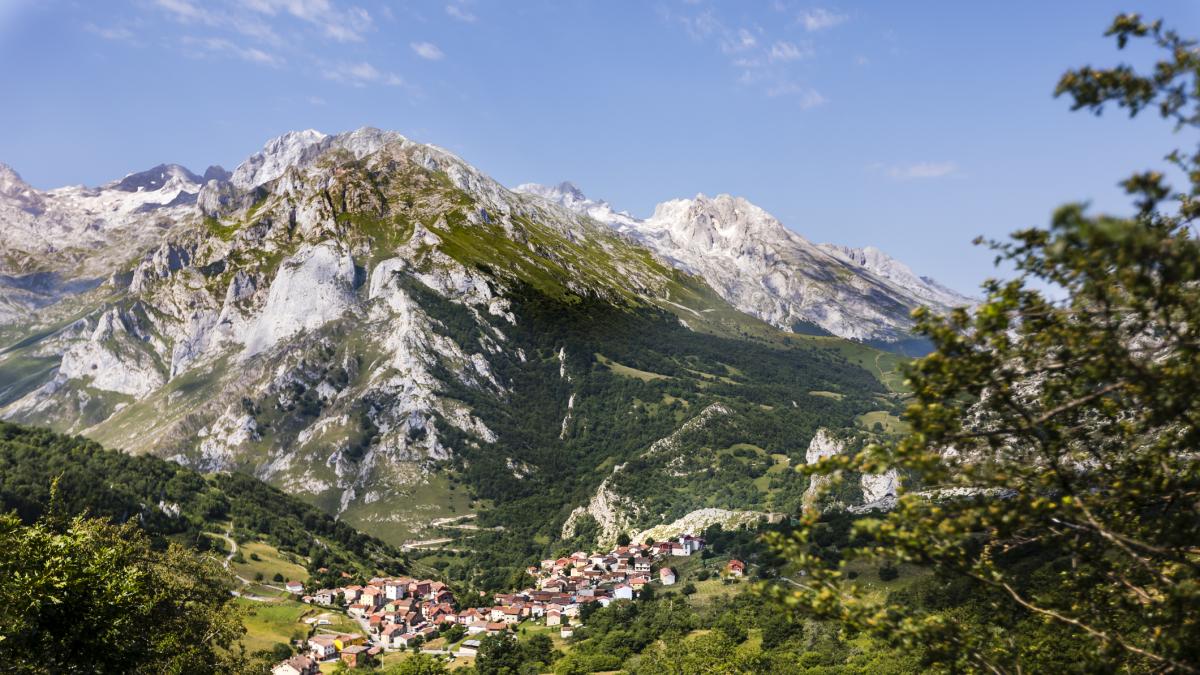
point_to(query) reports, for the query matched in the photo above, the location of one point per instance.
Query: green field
(626, 371)
(891, 424)
(269, 623)
(270, 562)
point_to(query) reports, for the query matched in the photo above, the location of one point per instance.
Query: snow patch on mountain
(769, 271)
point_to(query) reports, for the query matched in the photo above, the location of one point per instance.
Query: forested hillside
(173, 503)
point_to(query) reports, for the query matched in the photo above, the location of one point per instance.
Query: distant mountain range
(379, 328)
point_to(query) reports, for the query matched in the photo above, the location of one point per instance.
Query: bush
(888, 573)
(278, 576)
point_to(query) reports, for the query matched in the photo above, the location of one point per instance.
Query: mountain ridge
(737, 248)
(376, 326)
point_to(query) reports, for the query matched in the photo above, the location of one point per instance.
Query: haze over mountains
(368, 322)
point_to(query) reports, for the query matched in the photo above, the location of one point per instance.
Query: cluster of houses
(397, 612)
(400, 612)
(565, 585)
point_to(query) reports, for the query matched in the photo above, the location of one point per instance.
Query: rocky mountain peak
(723, 221)
(157, 178)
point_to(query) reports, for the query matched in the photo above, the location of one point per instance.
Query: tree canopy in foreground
(1053, 482)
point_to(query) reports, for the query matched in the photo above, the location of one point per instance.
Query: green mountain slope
(171, 502)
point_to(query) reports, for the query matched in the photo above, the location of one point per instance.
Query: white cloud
(115, 33)
(185, 10)
(343, 25)
(807, 97)
(427, 50)
(918, 170)
(223, 47)
(361, 74)
(820, 19)
(250, 17)
(738, 41)
(811, 98)
(784, 51)
(459, 11)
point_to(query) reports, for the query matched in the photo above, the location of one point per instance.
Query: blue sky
(910, 126)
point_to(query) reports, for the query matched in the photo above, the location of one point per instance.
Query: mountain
(62, 242)
(376, 327)
(765, 269)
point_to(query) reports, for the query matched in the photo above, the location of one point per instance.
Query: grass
(828, 394)
(270, 563)
(626, 371)
(891, 424)
(269, 623)
(429, 499)
(21, 374)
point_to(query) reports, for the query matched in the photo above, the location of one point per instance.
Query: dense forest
(666, 375)
(173, 503)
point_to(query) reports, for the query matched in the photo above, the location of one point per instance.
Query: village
(404, 613)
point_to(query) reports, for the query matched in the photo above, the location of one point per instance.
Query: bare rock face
(764, 269)
(701, 519)
(312, 287)
(613, 513)
(824, 444)
(113, 359)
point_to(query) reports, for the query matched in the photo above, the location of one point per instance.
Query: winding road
(233, 549)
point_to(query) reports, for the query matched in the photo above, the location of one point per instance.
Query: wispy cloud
(222, 47)
(736, 42)
(460, 11)
(343, 25)
(361, 74)
(254, 17)
(917, 171)
(784, 51)
(115, 33)
(427, 51)
(820, 19)
(764, 58)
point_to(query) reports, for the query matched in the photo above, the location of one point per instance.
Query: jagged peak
(11, 181)
(733, 219)
(155, 178)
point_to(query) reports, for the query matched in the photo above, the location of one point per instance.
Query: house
(553, 617)
(468, 648)
(692, 544)
(405, 639)
(390, 636)
(322, 647)
(297, 665)
(350, 594)
(496, 627)
(394, 589)
(667, 576)
(371, 596)
(641, 564)
(469, 616)
(355, 656)
(735, 568)
(623, 592)
(566, 631)
(324, 596)
(343, 640)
